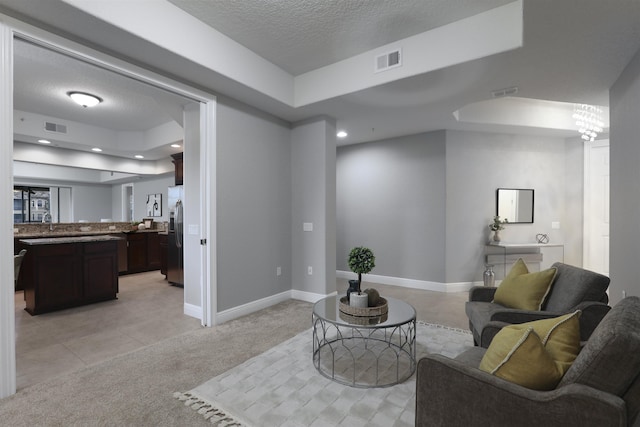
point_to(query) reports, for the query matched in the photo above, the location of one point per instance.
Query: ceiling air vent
(55, 127)
(388, 60)
(508, 91)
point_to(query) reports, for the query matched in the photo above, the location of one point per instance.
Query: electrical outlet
(278, 271)
(112, 227)
(624, 294)
(309, 270)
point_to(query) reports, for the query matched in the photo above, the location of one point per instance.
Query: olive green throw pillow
(536, 354)
(518, 356)
(524, 290)
(560, 337)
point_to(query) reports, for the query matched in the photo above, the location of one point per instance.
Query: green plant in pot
(361, 261)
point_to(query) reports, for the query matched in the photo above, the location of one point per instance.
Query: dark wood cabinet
(64, 274)
(98, 269)
(153, 251)
(143, 252)
(164, 249)
(179, 171)
(123, 262)
(136, 252)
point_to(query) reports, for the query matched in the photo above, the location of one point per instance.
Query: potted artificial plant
(361, 261)
(496, 226)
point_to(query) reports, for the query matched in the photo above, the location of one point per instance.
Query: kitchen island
(64, 272)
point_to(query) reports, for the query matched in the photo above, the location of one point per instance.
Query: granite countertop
(65, 233)
(70, 239)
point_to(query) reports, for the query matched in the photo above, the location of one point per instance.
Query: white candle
(361, 300)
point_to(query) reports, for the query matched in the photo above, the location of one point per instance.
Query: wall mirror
(515, 204)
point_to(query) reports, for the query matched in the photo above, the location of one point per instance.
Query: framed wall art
(154, 204)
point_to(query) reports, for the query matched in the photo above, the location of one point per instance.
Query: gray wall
(91, 202)
(624, 255)
(254, 204)
(479, 163)
(391, 199)
(423, 202)
(148, 186)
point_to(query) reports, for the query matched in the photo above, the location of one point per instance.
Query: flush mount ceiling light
(85, 99)
(96, 149)
(139, 156)
(342, 134)
(175, 145)
(589, 120)
(44, 141)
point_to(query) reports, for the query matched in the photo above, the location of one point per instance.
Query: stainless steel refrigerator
(175, 257)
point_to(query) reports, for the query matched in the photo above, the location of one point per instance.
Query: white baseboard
(193, 310)
(409, 283)
(250, 307)
(253, 306)
(309, 296)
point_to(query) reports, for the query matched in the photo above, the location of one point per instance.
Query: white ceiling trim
(494, 31)
(29, 127)
(72, 158)
(190, 38)
(488, 33)
(524, 112)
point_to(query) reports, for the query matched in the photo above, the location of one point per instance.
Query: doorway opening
(203, 258)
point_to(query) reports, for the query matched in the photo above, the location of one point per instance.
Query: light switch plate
(112, 227)
(307, 226)
(193, 229)
(555, 225)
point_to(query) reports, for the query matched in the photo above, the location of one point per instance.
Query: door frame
(586, 209)
(11, 28)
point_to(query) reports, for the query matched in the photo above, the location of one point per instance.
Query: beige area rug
(281, 387)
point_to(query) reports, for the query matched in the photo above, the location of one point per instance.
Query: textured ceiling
(302, 35)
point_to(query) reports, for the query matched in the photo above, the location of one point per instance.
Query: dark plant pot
(354, 286)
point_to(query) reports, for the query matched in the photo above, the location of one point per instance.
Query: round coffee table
(364, 351)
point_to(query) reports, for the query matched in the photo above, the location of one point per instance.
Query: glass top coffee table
(364, 351)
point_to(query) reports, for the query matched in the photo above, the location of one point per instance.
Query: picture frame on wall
(154, 205)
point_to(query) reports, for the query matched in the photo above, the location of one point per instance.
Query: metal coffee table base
(365, 357)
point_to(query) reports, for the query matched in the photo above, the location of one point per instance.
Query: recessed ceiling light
(44, 141)
(138, 156)
(96, 149)
(84, 99)
(342, 134)
(175, 145)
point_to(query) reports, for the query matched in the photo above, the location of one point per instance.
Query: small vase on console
(496, 236)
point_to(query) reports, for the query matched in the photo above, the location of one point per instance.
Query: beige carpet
(137, 389)
(281, 386)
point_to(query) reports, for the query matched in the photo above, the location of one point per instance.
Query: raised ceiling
(303, 35)
(572, 51)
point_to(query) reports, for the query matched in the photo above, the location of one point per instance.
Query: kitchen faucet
(48, 218)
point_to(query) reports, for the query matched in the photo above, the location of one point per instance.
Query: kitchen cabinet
(136, 252)
(164, 249)
(178, 166)
(123, 262)
(153, 251)
(143, 251)
(66, 272)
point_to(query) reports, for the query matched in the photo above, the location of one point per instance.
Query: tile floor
(149, 310)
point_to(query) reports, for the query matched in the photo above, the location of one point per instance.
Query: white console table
(510, 252)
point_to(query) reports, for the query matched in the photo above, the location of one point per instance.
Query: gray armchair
(601, 388)
(573, 289)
